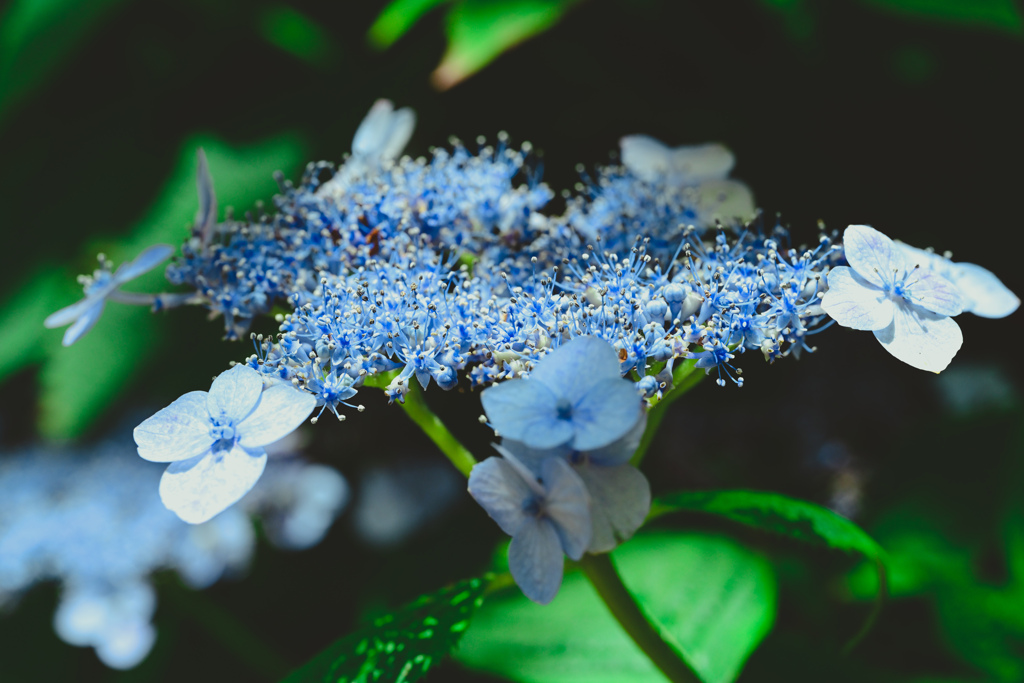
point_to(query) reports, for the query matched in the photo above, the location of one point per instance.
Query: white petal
(384, 132)
(178, 432)
(535, 560)
(501, 492)
(854, 302)
(984, 294)
(652, 160)
(84, 322)
(199, 488)
(206, 216)
(235, 393)
(69, 314)
(149, 259)
(126, 644)
(699, 163)
(724, 200)
(647, 158)
(873, 255)
(281, 409)
(935, 293)
(922, 339)
(620, 498)
(567, 504)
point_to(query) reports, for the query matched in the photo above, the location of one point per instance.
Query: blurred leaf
(999, 14)
(480, 30)
(396, 19)
(402, 646)
(36, 35)
(25, 339)
(713, 596)
(78, 382)
(295, 33)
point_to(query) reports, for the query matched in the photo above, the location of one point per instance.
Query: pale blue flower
(908, 308)
(104, 285)
(981, 292)
(214, 441)
(384, 132)
(620, 495)
(574, 396)
(546, 518)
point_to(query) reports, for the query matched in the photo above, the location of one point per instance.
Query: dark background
(840, 111)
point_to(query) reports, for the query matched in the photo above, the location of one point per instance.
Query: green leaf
(78, 382)
(402, 646)
(396, 19)
(26, 341)
(779, 514)
(295, 33)
(480, 30)
(1004, 15)
(36, 35)
(715, 598)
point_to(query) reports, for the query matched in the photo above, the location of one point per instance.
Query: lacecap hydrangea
(391, 271)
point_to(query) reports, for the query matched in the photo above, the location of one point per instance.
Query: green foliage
(778, 514)
(78, 383)
(402, 646)
(1004, 15)
(295, 33)
(36, 35)
(714, 598)
(397, 18)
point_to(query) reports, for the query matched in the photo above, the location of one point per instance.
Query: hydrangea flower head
(908, 308)
(547, 517)
(104, 285)
(214, 440)
(575, 396)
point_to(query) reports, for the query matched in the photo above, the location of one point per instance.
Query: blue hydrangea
(547, 517)
(575, 396)
(214, 440)
(908, 308)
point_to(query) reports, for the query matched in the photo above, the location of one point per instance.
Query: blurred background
(903, 114)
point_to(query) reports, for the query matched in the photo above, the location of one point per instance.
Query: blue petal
(202, 487)
(384, 132)
(535, 560)
(572, 370)
(234, 393)
(984, 294)
(178, 432)
(501, 492)
(84, 323)
(527, 411)
(281, 409)
(605, 414)
(206, 217)
(620, 498)
(567, 504)
(149, 259)
(531, 457)
(69, 314)
(619, 452)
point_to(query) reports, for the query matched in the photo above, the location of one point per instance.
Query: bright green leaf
(25, 339)
(480, 30)
(396, 19)
(774, 512)
(78, 382)
(36, 35)
(713, 596)
(999, 14)
(402, 646)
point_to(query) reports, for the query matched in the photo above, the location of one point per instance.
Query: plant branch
(684, 378)
(416, 408)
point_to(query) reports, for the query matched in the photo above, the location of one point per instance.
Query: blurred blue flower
(104, 285)
(576, 396)
(908, 308)
(546, 518)
(214, 441)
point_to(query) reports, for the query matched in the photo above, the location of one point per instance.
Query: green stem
(609, 586)
(416, 408)
(684, 377)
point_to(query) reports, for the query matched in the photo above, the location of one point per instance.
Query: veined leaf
(715, 598)
(402, 646)
(78, 382)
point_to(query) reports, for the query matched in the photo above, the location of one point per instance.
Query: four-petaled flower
(907, 307)
(104, 285)
(575, 396)
(546, 518)
(214, 441)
